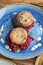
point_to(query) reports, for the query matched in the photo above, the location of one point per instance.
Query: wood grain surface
(20, 1)
(21, 62)
(38, 3)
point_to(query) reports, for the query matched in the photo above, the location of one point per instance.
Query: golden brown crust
(18, 35)
(25, 18)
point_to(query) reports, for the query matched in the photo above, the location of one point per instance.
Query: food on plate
(23, 19)
(18, 35)
(18, 38)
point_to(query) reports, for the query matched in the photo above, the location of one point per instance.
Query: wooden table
(35, 2)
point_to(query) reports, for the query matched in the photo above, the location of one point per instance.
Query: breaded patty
(18, 35)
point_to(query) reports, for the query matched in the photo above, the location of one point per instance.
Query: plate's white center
(2, 62)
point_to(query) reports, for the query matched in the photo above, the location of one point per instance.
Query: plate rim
(22, 58)
(7, 61)
(23, 4)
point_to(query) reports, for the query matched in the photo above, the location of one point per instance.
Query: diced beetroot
(28, 27)
(26, 44)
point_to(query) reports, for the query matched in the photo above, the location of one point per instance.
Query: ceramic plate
(36, 46)
(6, 62)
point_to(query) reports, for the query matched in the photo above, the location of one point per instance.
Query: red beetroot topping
(28, 27)
(21, 47)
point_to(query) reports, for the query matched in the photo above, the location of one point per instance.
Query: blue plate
(5, 19)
